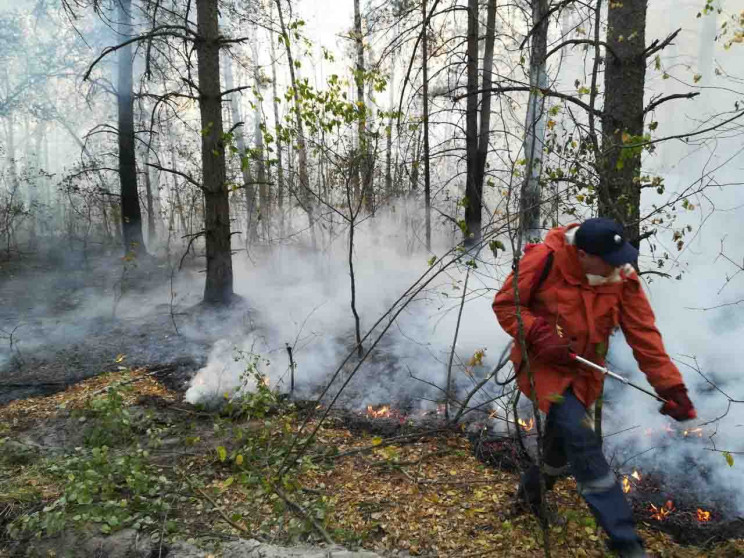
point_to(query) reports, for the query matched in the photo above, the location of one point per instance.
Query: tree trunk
(624, 76)
(279, 147)
(472, 194)
(389, 139)
(365, 168)
(249, 189)
(131, 215)
(219, 284)
(534, 137)
(485, 116)
(305, 194)
(425, 93)
(263, 187)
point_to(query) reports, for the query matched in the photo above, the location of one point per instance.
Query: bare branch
(581, 42)
(655, 103)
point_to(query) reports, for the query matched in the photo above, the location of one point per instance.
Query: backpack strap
(543, 274)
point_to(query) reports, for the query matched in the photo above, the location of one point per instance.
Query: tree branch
(655, 46)
(653, 104)
(179, 173)
(546, 92)
(152, 34)
(581, 42)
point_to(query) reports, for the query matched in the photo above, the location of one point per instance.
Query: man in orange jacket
(574, 290)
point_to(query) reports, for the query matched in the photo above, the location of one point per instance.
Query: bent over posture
(574, 290)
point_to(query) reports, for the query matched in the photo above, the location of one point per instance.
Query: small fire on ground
(703, 515)
(662, 512)
(381, 412)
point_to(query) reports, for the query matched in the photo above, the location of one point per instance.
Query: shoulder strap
(543, 274)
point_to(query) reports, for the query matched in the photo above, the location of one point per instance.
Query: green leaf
(729, 458)
(222, 453)
(653, 126)
(431, 261)
(376, 441)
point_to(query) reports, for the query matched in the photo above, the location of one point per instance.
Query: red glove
(547, 345)
(678, 405)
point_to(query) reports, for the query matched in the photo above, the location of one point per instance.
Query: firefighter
(574, 290)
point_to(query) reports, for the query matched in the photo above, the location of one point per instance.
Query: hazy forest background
(321, 198)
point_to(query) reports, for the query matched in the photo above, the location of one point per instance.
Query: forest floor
(121, 457)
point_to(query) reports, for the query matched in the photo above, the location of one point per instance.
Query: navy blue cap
(605, 238)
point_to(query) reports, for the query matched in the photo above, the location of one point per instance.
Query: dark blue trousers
(571, 443)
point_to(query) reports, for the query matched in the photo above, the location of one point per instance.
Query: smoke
(302, 299)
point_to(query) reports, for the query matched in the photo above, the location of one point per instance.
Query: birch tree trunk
(365, 166)
(534, 126)
(305, 194)
(263, 187)
(279, 146)
(218, 289)
(236, 116)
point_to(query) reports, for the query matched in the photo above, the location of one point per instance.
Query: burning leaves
(527, 425)
(382, 412)
(662, 512)
(626, 484)
(703, 516)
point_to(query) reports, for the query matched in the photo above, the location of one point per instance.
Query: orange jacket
(586, 310)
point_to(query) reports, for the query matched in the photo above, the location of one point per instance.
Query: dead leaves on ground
(431, 497)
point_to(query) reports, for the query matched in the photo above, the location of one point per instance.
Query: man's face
(594, 265)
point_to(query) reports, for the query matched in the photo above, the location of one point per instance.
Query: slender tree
(218, 289)
(425, 94)
(131, 215)
(305, 195)
(484, 134)
(473, 201)
(534, 137)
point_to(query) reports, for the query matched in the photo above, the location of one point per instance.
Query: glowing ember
(660, 514)
(694, 432)
(626, 485)
(527, 425)
(383, 411)
(703, 515)
(636, 475)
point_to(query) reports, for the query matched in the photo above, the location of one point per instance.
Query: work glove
(678, 405)
(546, 345)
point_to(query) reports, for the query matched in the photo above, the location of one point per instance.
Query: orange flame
(626, 485)
(694, 432)
(383, 411)
(660, 514)
(703, 515)
(527, 425)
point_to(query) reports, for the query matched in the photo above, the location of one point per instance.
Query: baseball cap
(605, 238)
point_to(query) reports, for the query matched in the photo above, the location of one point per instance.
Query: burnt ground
(65, 320)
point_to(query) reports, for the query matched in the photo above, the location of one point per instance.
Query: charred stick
(291, 369)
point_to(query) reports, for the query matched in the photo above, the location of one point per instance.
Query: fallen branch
(217, 508)
(295, 507)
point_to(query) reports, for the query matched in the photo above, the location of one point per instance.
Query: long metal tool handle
(618, 377)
